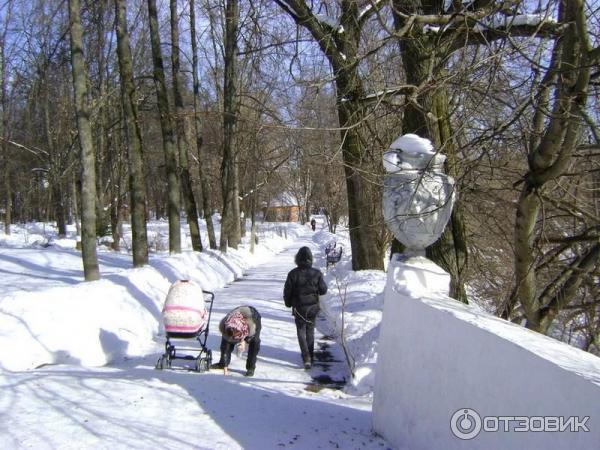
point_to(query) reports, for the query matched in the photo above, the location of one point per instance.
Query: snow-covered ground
(77, 359)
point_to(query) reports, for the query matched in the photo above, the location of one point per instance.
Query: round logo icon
(465, 424)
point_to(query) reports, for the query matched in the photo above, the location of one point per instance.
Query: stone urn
(417, 196)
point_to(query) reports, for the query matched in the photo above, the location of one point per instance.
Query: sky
(77, 359)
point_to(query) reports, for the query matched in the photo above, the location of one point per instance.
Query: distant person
(240, 326)
(313, 224)
(301, 292)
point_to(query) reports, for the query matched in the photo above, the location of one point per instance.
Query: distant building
(282, 208)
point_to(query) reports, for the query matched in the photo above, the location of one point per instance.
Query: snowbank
(49, 316)
(352, 308)
(445, 370)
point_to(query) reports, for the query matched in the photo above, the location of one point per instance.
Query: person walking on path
(301, 292)
(239, 326)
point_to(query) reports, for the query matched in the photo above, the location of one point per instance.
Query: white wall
(437, 356)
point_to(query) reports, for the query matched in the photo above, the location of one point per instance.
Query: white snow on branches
(500, 21)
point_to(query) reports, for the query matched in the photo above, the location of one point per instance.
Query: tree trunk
(88, 175)
(168, 135)
(362, 220)
(102, 120)
(54, 171)
(75, 206)
(4, 104)
(137, 184)
(8, 200)
(230, 224)
(253, 238)
(180, 126)
(364, 197)
(206, 203)
(450, 251)
(60, 209)
(561, 98)
(116, 221)
(6, 175)
(253, 200)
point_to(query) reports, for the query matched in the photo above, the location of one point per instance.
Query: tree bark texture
(180, 126)
(230, 224)
(206, 202)
(561, 100)
(168, 134)
(364, 198)
(5, 164)
(88, 161)
(102, 119)
(137, 184)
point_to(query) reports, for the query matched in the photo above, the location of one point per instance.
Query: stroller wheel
(164, 362)
(171, 352)
(202, 365)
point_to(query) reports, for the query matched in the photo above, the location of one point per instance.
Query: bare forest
(122, 111)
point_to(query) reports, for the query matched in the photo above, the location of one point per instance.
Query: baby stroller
(186, 315)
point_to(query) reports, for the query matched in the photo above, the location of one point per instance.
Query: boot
(307, 363)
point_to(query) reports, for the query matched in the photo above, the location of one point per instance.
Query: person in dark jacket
(301, 292)
(239, 326)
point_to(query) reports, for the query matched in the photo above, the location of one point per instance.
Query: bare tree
(230, 224)
(137, 186)
(168, 134)
(88, 175)
(180, 127)
(559, 112)
(342, 51)
(4, 119)
(206, 202)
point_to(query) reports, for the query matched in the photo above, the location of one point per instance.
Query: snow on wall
(439, 359)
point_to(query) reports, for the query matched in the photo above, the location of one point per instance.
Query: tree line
(122, 110)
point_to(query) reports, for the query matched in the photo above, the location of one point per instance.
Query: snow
(353, 308)
(448, 4)
(331, 22)
(409, 152)
(412, 143)
(391, 161)
(77, 359)
(469, 359)
(502, 21)
(369, 7)
(431, 28)
(365, 10)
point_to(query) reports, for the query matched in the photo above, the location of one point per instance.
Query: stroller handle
(212, 295)
(210, 302)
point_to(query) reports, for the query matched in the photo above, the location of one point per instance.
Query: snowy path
(132, 405)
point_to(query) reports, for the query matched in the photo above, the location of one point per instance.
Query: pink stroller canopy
(184, 310)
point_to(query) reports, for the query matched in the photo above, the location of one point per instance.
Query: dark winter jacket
(303, 284)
